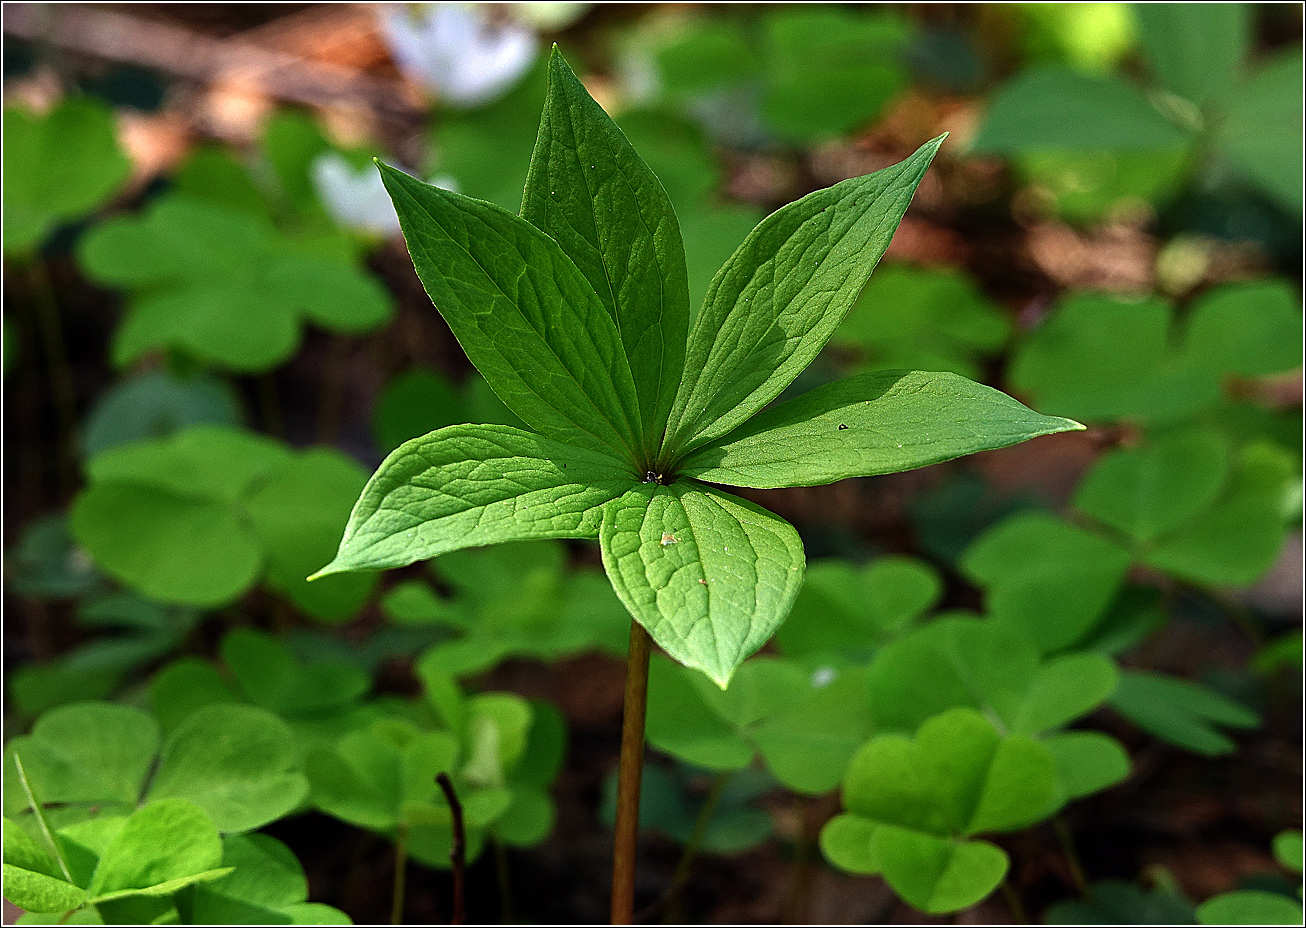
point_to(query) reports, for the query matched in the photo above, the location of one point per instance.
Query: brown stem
(629, 773)
(63, 391)
(457, 853)
(401, 876)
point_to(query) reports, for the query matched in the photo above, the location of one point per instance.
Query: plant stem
(629, 773)
(458, 852)
(505, 886)
(802, 870)
(270, 405)
(695, 841)
(1013, 900)
(401, 876)
(1072, 858)
(63, 392)
(692, 846)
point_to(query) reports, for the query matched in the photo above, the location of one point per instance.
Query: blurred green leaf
(1196, 51)
(414, 403)
(1048, 579)
(1180, 712)
(1250, 907)
(156, 404)
(847, 611)
(57, 167)
(1262, 127)
(1113, 902)
(932, 319)
(1056, 109)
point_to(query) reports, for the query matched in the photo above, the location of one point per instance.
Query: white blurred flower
(356, 198)
(548, 15)
(823, 677)
(455, 52)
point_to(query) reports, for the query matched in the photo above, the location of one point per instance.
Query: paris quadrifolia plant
(577, 313)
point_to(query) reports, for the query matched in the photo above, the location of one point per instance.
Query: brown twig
(630, 772)
(457, 853)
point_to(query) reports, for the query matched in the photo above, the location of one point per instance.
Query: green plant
(1202, 105)
(586, 337)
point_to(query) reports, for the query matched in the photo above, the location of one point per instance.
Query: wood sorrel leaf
(1196, 51)
(876, 423)
(526, 316)
(162, 846)
(781, 295)
(592, 193)
(469, 485)
(708, 574)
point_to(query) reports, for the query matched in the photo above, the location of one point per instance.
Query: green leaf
(1086, 761)
(1057, 109)
(1098, 358)
(159, 515)
(862, 68)
(170, 548)
(1250, 907)
(157, 404)
(1288, 850)
(957, 777)
(1262, 126)
(808, 744)
(57, 167)
(681, 721)
(298, 514)
(32, 878)
(667, 551)
(1113, 902)
(360, 781)
(86, 753)
(1238, 539)
(1146, 492)
(934, 874)
(781, 295)
(995, 670)
(1051, 580)
(848, 611)
(224, 286)
(469, 485)
(275, 680)
(412, 404)
(185, 685)
(934, 319)
(876, 423)
(46, 562)
(526, 316)
(590, 191)
(1197, 52)
(1250, 329)
(235, 762)
(846, 843)
(1180, 712)
(163, 846)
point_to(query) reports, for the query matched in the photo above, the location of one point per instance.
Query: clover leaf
(198, 517)
(513, 600)
(222, 287)
(577, 315)
(234, 762)
(1181, 712)
(933, 318)
(57, 167)
(158, 850)
(914, 806)
(805, 725)
(848, 612)
(1101, 358)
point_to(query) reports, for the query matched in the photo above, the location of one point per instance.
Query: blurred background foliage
(212, 335)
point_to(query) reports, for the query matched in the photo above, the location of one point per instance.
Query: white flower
(356, 198)
(455, 52)
(823, 676)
